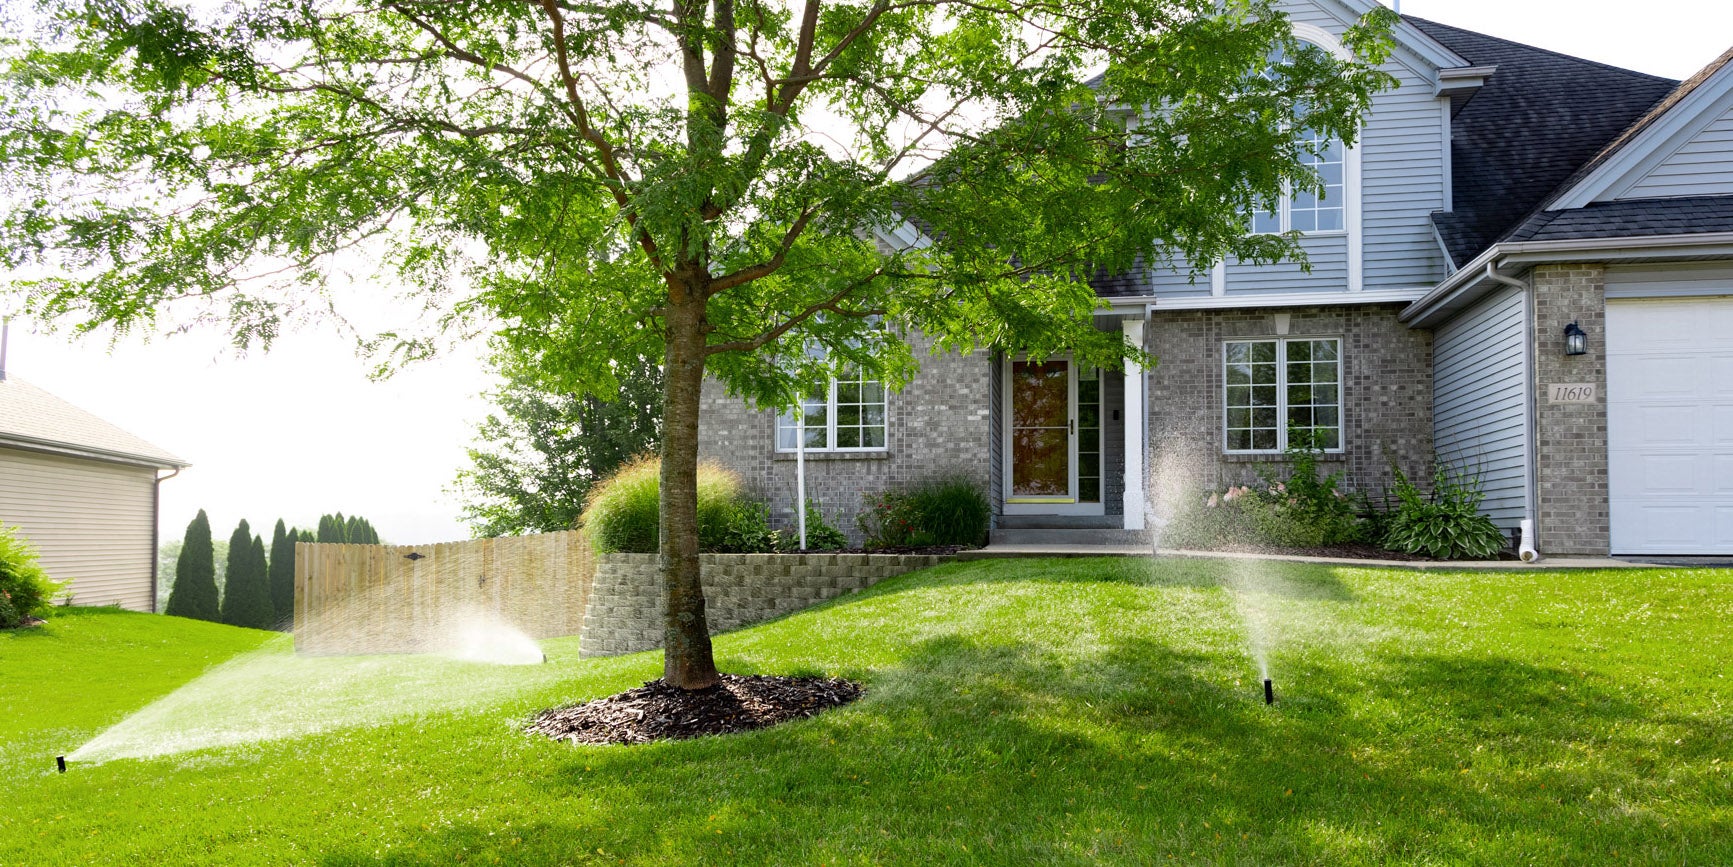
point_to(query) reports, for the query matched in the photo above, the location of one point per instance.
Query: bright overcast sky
(301, 431)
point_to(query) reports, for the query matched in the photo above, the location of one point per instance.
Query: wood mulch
(929, 550)
(657, 711)
(1349, 551)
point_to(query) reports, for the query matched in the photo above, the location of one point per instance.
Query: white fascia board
(1422, 54)
(1666, 134)
(1468, 284)
(1248, 301)
(47, 447)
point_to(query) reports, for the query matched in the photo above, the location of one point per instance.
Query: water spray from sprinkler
(1269, 692)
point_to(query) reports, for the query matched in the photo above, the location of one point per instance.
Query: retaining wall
(626, 607)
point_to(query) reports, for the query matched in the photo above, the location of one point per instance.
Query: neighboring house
(1501, 193)
(85, 494)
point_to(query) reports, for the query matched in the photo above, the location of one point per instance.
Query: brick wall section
(626, 607)
(1387, 396)
(1571, 439)
(938, 425)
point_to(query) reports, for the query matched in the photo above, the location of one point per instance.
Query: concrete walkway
(996, 552)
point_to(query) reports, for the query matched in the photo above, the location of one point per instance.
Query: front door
(1042, 433)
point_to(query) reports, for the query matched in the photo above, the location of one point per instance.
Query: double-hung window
(850, 416)
(1274, 387)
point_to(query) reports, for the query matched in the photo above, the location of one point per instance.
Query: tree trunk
(687, 660)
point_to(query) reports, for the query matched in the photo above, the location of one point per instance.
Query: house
(84, 492)
(1500, 195)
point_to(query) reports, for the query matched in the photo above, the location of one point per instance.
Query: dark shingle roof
(1540, 118)
(1631, 218)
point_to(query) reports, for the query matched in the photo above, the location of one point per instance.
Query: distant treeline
(258, 590)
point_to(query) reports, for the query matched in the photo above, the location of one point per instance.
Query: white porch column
(1136, 414)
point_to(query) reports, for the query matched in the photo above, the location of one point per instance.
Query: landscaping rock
(657, 711)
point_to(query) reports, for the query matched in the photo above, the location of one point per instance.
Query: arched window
(1303, 210)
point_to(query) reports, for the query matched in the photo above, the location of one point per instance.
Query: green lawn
(1028, 711)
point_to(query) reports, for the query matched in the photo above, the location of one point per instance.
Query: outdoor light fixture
(1576, 342)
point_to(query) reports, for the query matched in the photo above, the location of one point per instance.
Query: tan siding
(92, 522)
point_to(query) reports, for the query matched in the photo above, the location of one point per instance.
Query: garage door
(1670, 425)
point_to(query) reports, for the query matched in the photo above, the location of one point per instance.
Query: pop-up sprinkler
(60, 762)
(1269, 692)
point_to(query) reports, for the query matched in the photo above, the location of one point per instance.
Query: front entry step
(1050, 536)
(1059, 522)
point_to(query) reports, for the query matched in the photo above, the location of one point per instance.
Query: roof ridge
(1536, 48)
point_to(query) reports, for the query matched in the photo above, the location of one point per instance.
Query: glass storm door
(1043, 432)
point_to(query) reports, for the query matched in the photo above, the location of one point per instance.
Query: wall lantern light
(1576, 342)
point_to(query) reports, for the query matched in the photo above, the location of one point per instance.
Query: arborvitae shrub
(247, 596)
(282, 575)
(195, 589)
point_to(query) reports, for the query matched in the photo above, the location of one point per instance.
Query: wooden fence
(409, 598)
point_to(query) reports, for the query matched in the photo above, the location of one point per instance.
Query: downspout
(156, 533)
(1526, 545)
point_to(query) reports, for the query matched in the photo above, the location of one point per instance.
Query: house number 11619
(1574, 392)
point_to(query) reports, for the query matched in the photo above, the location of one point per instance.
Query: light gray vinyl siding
(1703, 166)
(92, 523)
(1174, 279)
(995, 442)
(1680, 280)
(1479, 425)
(1327, 254)
(1401, 185)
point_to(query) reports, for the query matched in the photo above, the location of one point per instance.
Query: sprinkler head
(60, 762)
(1269, 692)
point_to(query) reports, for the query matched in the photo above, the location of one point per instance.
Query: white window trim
(830, 426)
(1282, 392)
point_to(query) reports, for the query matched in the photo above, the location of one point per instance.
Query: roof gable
(1540, 117)
(1416, 50)
(1682, 146)
(31, 418)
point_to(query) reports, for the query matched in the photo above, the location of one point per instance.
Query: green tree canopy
(195, 587)
(724, 185)
(539, 454)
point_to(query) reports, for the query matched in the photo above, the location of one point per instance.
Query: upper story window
(850, 416)
(1303, 210)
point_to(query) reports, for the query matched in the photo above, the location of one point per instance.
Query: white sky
(301, 431)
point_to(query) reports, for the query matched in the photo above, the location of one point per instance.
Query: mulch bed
(929, 550)
(1345, 551)
(657, 711)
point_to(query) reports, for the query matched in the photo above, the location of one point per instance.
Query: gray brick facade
(1571, 439)
(1386, 395)
(938, 425)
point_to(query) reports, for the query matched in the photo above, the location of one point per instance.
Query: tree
(247, 595)
(539, 454)
(766, 193)
(282, 575)
(195, 587)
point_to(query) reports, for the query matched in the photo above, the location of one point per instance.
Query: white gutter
(1501, 256)
(1531, 427)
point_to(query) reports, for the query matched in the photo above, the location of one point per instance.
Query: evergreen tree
(247, 596)
(282, 575)
(306, 536)
(195, 587)
(328, 532)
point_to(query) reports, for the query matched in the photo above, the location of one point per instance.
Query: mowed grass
(1074, 711)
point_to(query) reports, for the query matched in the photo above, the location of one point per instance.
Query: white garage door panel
(1670, 425)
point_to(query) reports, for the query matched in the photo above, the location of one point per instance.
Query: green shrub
(1303, 510)
(1447, 525)
(940, 512)
(821, 534)
(621, 514)
(25, 590)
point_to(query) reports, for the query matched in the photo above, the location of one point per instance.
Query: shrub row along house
(1500, 197)
(84, 493)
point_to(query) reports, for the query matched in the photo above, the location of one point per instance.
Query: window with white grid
(849, 417)
(1278, 389)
